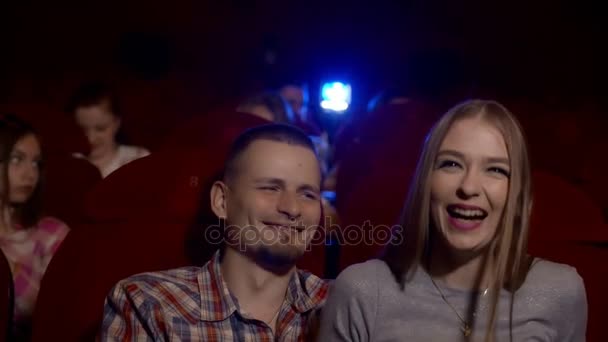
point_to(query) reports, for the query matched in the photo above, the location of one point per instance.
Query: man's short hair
(273, 132)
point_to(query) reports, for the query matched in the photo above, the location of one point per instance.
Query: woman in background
(96, 111)
(27, 239)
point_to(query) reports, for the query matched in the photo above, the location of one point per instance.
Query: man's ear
(218, 199)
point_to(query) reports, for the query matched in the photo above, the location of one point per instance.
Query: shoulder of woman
(554, 278)
(131, 150)
(51, 225)
(362, 278)
(50, 234)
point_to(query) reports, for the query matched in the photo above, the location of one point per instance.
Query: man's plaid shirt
(194, 304)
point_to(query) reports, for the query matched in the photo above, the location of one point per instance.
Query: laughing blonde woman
(457, 269)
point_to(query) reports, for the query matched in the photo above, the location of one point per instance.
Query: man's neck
(260, 292)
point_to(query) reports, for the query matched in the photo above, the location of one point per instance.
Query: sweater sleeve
(573, 322)
(351, 309)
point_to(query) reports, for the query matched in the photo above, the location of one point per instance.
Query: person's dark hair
(274, 132)
(12, 129)
(280, 109)
(98, 94)
(93, 94)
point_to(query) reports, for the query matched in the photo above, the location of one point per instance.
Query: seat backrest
(68, 180)
(170, 181)
(563, 212)
(58, 131)
(92, 260)
(7, 299)
(374, 178)
(593, 179)
(217, 128)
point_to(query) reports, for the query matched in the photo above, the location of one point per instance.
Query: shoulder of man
(170, 289)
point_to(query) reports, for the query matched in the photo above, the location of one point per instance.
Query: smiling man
(251, 290)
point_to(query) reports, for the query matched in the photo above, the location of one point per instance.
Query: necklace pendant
(466, 330)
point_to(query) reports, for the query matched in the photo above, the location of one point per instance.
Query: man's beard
(276, 258)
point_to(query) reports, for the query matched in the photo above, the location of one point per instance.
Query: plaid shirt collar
(224, 304)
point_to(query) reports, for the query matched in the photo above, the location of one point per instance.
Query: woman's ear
(218, 199)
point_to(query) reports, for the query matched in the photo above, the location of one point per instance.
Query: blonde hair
(511, 262)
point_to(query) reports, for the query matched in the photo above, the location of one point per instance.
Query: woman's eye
(448, 164)
(500, 171)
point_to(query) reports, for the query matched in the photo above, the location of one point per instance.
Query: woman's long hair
(13, 129)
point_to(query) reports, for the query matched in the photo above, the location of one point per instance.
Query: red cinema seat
(563, 212)
(87, 265)
(567, 227)
(374, 177)
(169, 182)
(67, 183)
(7, 299)
(218, 128)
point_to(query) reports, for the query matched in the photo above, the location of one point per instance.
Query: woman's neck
(461, 270)
(106, 158)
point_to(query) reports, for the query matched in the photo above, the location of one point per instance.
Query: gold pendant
(466, 330)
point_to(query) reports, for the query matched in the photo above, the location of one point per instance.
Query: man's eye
(311, 195)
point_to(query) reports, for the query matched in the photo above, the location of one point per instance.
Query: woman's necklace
(466, 326)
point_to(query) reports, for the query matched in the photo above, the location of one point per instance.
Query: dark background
(203, 52)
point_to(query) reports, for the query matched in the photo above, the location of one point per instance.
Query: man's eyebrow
(276, 181)
(309, 187)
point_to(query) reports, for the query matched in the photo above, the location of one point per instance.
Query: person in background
(27, 238)
(297, 98)
(95, 109)
(457, 268)
(269, 106)
(270, 204)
